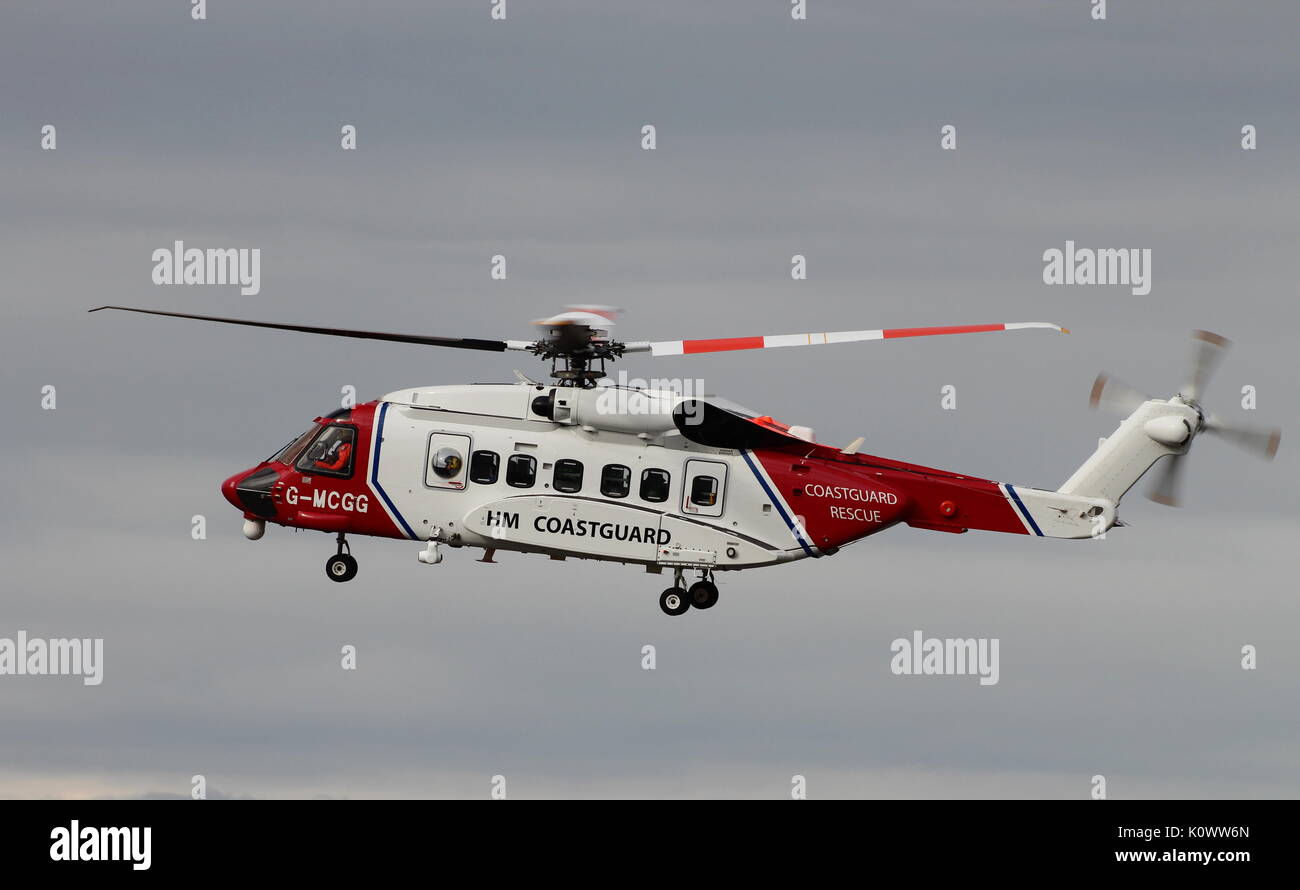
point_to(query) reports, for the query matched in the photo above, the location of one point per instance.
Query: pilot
(337, 457)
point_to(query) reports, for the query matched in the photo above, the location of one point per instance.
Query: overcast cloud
(521, 137)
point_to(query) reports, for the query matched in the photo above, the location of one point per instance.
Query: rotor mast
(578, 344)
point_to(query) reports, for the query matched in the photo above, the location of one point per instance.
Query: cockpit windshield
(289, 453)
(330, 453)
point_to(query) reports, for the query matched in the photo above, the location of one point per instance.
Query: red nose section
(251, 490)
(228, 489)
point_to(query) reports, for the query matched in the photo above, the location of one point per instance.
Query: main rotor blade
(456, 342)
(1258, 441)
(1115, 395)
(692, 347)
(1206, 354)
(1169, 482)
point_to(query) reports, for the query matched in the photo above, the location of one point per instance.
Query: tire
(674, 601)
(703, 594)
(341, 567)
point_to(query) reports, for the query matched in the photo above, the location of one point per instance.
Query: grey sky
(522, 138)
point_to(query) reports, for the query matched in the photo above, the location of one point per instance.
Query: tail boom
(1155, 430)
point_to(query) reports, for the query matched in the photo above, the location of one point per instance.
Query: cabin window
(521, 470)
(703, 494)
(615, 481)
(654, 485)
(446, 463)
(330, 454)
(484, 467)
(568, 476)
(704, 491)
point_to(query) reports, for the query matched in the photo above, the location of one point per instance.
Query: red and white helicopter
(663, 479)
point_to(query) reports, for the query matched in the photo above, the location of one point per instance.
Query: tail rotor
(1255, 440)
(1167, 487)
(1114, 395)
(1207, 352)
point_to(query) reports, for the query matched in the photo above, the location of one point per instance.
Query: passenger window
(654, 485)
(568, 476)
(708, 484)
(521, 470)
(704, 491)
(330, 454)
(615, 481)
(484, 466)
(446, 466)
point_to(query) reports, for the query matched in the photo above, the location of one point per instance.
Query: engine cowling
(616, 409)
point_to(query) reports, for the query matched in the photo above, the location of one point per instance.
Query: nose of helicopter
(228, 489)
(250, 491)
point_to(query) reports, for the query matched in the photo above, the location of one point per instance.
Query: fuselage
(478, 466)
(603, 474)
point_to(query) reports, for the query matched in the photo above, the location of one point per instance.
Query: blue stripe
(1023, 512)
(374, 472)
(794, 529)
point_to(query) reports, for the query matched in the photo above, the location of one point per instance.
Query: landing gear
(341, 566)
(703, 594)
(673, 601)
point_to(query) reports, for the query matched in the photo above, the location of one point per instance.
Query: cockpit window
(289, 453)
(331, 453)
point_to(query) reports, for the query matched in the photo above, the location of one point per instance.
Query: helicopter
(665, 480)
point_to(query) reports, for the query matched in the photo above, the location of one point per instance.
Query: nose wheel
(342, 566)
(703, 594)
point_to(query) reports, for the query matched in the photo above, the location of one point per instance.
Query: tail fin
(1154, 430)
(1157, 428)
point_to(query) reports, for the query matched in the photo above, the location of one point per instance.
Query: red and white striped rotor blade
(691, 347)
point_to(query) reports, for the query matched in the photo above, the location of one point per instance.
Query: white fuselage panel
(427, 471)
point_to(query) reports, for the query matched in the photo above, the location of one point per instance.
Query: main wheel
(703, 594)
(341, 567)
(673, 601)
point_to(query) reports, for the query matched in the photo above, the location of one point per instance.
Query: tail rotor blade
(1207, 351)
(1169, 482)
(1112, 394)
(1256, 440)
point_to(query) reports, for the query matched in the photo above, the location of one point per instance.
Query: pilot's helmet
(447, 463)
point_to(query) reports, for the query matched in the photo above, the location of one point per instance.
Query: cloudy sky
(522, 138)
